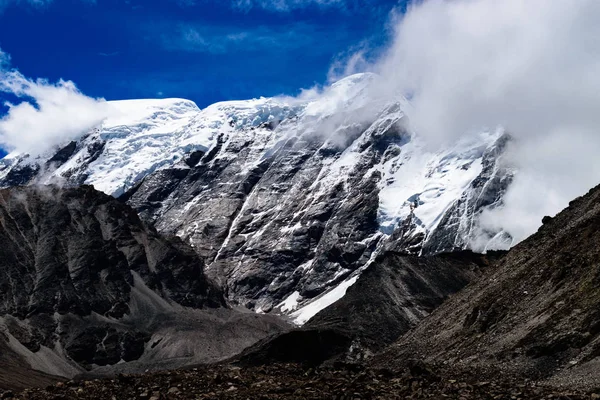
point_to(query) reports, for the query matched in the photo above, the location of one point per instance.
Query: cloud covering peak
(531, 66)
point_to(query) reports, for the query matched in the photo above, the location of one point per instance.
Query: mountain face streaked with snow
(286, 200)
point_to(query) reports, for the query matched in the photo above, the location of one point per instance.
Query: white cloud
(532, 66)
(49, 114)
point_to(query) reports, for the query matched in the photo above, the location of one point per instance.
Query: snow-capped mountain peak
(287, 199)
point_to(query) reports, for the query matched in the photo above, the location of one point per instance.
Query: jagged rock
(396, 292)
(77, 251)
(302, 220)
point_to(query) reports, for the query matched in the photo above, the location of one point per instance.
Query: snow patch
(301, 316)
(290, 303)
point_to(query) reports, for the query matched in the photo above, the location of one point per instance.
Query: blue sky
(203, 50)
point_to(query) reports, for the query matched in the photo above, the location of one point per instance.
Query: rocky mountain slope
(390, 297)
(535, 315)
(396, 292)
(85, 284)
(330, 210)
(287, 200)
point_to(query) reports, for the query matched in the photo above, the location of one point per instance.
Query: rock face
(85, 283)
(535, 314)
(287, 200)
(78, 250)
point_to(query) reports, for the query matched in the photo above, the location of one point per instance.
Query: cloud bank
(531, 66)
(48, 114)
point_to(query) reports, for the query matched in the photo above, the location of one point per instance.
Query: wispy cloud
(286, 5)
(48, 114)
(112, 54)
(39, 4)
(36, 3)
(220, 40)
(276, 5)
(190, 39)
(4, 60)
(357, 59)
(240, 5)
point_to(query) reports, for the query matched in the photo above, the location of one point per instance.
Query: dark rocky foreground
(290, 381)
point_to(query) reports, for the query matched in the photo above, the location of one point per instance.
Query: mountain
(130, 249)
(287, 200)
(534, 314)
(86, 284)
